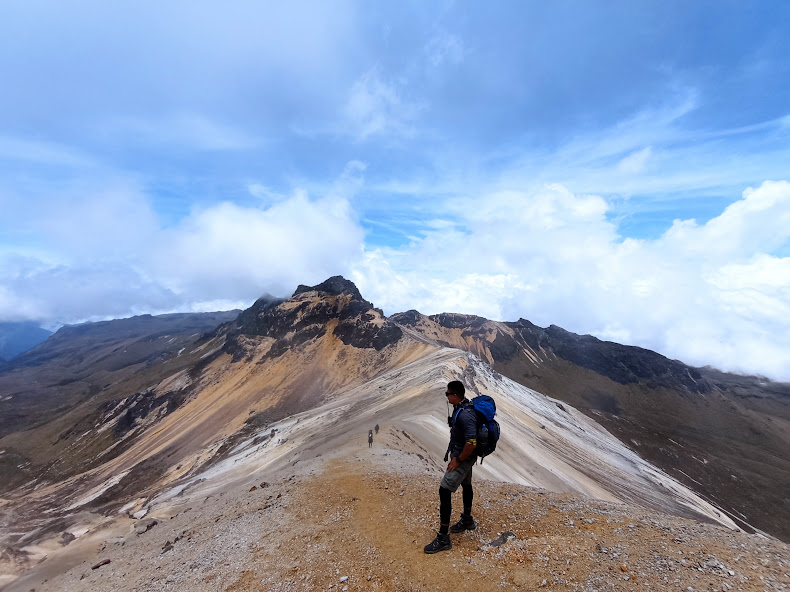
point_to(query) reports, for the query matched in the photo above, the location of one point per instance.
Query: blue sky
(615, 168)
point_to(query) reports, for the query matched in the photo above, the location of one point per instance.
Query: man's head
(455, 392)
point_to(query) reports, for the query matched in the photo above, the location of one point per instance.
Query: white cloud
(106, 254)
(227, 250)
(14, 307)
(713, 293)
(378, 107)
(758, 223)
(710, 294)
(655, 125)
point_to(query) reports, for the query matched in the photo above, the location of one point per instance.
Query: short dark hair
(457, 387)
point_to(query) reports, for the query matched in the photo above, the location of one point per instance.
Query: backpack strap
(466, 404)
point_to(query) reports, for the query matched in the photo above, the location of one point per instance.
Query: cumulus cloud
(14, 307)
(232, 250)
(117, 122)
(760, 222)
(706, 294)
(107, 254)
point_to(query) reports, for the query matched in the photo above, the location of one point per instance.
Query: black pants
(446, 504)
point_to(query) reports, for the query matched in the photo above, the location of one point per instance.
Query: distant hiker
(461, 451)
(377, 428)
(370, 439)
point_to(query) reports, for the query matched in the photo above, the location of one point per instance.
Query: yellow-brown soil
(360, 520)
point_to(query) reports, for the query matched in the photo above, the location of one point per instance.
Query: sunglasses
(450, 394)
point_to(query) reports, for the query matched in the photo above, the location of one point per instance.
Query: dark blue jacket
(464, 427)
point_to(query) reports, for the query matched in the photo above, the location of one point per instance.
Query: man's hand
(455, 462)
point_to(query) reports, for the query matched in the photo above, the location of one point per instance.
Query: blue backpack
(487, 426)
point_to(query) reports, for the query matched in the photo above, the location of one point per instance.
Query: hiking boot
(440, 543)
(465, 523)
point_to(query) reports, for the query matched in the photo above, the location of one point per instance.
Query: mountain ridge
(288, 381)
(736, 426)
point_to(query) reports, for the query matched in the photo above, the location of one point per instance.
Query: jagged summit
(454, 320)
(409, 318)
(335, 286)
(333, 307)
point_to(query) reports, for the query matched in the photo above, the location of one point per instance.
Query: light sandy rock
(143, 526)
(564, 487)
(344, 518)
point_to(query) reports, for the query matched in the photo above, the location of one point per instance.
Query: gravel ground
(358, 520)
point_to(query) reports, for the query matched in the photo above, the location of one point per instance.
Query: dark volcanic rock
(453, 320)
(622, 363)
(128, 412)
(364, 333)
(91, 346)
(335, 286)
(79, 362)
(409, 318)
(359, 324)
(250, 321)
(503, 348)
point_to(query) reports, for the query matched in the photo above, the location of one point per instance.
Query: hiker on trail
(377, 428)
(370, 439)
(461, 451)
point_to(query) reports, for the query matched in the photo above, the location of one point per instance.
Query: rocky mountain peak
(409, 318)
(334, 286)
(454, 320)
(335, 304)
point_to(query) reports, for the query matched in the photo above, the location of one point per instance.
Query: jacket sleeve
(468, 421)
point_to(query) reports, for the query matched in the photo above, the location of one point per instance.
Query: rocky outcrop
(307, 316)
(334, 286)
(620, 363)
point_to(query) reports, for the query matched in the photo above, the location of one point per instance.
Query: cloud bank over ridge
(580, 165)
(705, 293)
(708, 293)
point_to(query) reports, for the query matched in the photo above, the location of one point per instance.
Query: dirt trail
(359, 521)
(364, 521)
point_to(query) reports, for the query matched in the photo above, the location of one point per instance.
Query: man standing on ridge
(461, 451)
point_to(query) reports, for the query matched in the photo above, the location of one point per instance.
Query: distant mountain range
(108, 417)
(16, 338)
